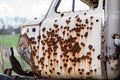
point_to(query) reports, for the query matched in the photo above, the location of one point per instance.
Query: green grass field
(9, 40)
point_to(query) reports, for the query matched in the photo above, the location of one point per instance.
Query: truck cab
(74, 40)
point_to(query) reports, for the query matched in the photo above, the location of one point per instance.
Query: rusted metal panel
(70, 46)
(66, 46)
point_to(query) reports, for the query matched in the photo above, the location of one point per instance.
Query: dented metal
(69, 45)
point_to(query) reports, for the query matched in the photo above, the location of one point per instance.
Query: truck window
(79, 6)
(65, 6)
(76, 5)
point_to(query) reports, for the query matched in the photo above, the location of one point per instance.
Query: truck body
(74, 42)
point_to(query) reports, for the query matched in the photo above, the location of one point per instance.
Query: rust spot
(85, 13)
(74, 64)
(43, 54)
(49, 57)
(90, 47)
(90, 62)
(69, 69)
(69, 17)
(90, 28)
(43, 48)
(81, 36)
(79, 20)
(77, 29)
(65, 65)
(67, 34)
(95, 70)
(43, 29)
(90, 59)
(53, 69)
(82, 70)
(88, 73)
(86, 21)
(45, 72)
(91, 71)
(76, 16)
(61, 27)
(50, 71)
(78, 34)
(60, 67)
(35, 50)
(55, 53)
(88, 53)
(57, 61)
(91, 17)
(63, 32)
(58, 73)
(37, 47)
(42, 42)
(50, 29)
(62, 15)
(53, 31)
(37, 57)
(81, 73)
(55, 25)
(51, 64)
(61, 56)
(91, 23)
(82, 44)
(51, 60)
(99, 57)
(82, 28)
(66, 60)
(54, 60)
(67, 21)
(86, 34)
(56, 20)
(33, 47)
(111, 68)
(49, 76)
(79, 69)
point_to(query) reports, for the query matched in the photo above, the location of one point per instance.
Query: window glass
(65, 6)
(79, 5)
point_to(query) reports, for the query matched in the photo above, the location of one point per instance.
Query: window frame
(73, 7)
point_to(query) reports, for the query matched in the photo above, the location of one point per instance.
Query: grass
(9, 40)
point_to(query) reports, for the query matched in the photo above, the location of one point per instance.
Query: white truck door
(70, 41)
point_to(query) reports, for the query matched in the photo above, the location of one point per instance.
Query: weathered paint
(67, 51)
(69, 47)
(65, 46)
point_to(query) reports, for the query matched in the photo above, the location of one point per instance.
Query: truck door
(70, 42)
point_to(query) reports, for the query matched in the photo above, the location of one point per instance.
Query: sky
(24, 8)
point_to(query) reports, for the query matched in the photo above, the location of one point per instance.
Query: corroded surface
(64, 51)
(67, 51)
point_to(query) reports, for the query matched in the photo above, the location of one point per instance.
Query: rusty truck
(76, 39)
